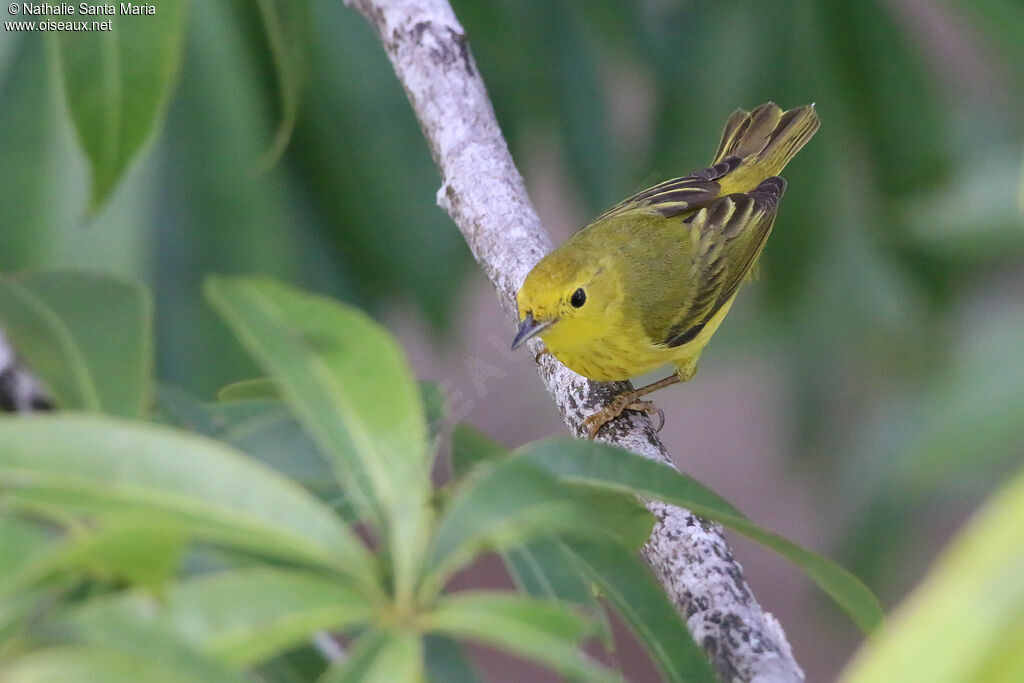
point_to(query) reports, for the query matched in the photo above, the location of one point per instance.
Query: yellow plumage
(648, 282)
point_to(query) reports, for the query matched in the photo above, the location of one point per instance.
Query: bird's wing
(676, 196)
(727, 237)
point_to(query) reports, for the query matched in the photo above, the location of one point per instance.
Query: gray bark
(20, 391)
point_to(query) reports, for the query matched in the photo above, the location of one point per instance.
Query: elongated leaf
(629, 585)
(240, 617)
(27, 186)
(145, 553)
(612, 515)
(88, 337)
(21, 544)
(359, 659)
(208, 489)
(507, 503)
(265, 388)
(470, 447)
(542, 570)
(266, 430)
(117, 84)
(16, 611)
(226, 217)
(383, 253)
(108, 665)
(251, 389)
(447, 662)
(286, 25)
(24, 546)
(380, 657)
(435, 409)
(351, 387)
(177, 408)
(501, 505)
(965, 621)
(603, 466)
(548, 632)
(142, 553)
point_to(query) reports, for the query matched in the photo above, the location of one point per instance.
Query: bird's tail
(765, 139)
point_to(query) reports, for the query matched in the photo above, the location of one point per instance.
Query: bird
(648, 282)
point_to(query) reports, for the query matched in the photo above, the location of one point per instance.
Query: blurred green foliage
(105, 523)
(965, 621)
(893, 286)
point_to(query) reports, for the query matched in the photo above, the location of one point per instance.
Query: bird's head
(567, 294)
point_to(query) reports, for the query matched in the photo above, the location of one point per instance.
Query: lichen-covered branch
(484, 194)
(20, 391)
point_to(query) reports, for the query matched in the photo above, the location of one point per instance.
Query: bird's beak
(529, 328)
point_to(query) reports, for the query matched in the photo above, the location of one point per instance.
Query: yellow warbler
(649, 281)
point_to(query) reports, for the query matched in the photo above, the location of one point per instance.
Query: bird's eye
(579, 297)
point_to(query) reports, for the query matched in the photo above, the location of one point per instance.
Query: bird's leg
(629, 400)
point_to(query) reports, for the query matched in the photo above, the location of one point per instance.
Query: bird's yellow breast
(615, 347)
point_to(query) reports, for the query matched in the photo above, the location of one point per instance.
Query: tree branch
(20, 391)
(484, 194)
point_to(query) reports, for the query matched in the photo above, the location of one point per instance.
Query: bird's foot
(593, 423)
(541, 354)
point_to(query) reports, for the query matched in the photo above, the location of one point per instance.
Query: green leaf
(266, 430)
(350, 386)
(602, 466)
(359, 659)
(87, 336)
(24, 546)
(209, 490)
(622, 518)
(471, 447)
(542, 570)
(22, 543)
(499, 505)
(117, 84)
(874, 60)
(352, 86)
(507, 503)
(17, 611)
(435, 408)
(102, 665)
(447, 661)
(629, 585)
(547, 632)
(582, 103)
(27, 134)
(240, 617)
(265, 388)
(286, 25)
(380, 657)
(250, 389)
(227, 217)
(965, 621)
(989, 184)
(146, 554)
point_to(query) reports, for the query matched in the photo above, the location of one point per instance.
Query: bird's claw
(593, 423)
(651, 409)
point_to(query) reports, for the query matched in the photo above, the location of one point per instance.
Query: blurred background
(864, 395)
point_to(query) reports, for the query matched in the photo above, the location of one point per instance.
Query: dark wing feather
(676, 196)
(727, 237)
